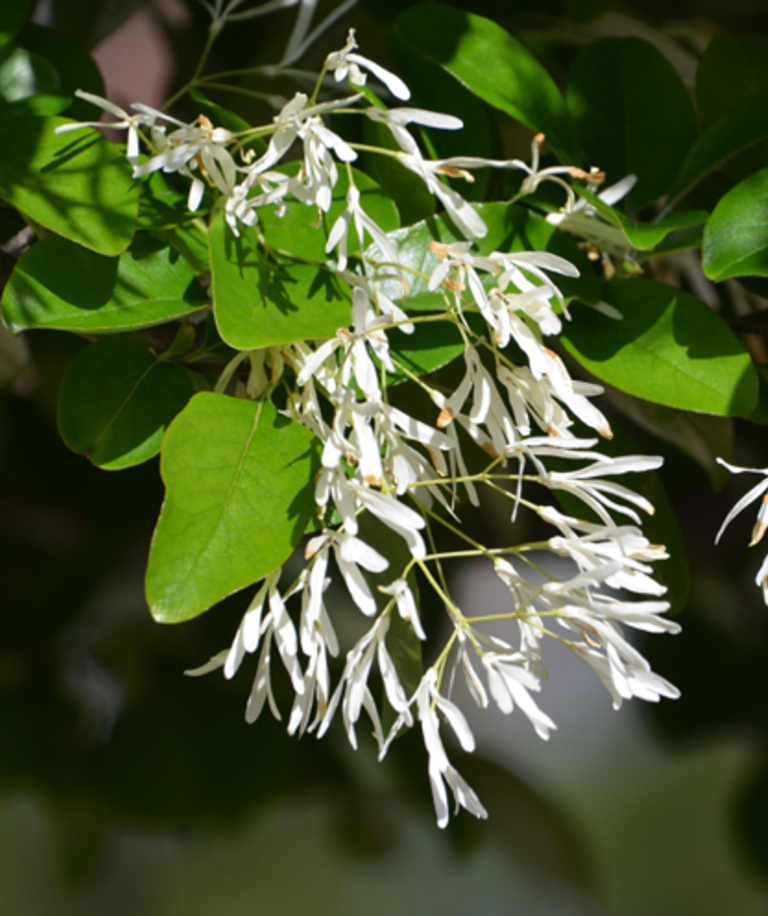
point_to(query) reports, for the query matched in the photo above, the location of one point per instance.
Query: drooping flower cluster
(516, 406)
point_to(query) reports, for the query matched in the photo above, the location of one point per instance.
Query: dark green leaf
(669, 348)
(492, 65)
(75, 67)
(259, 304)
(534, 830)
(60, 285)
(632, 113)
(161, 206)
(702, 437)
(720, 142)
(116, 401)
(760, 413)
(75, 184)
(736, 236)
(239, 495)
(732, 72)
(13, 13)
(431, 346)
(301, 234)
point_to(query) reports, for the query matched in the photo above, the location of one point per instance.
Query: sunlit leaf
(60, 285)
(493, 65)
(75, 184)
(239, 494)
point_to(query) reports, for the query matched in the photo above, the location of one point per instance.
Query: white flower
(428, 701)
(191, 147)
(346, 64)
(587, 485)
(363, 223)
(463, 215)
(761, 524)
(396, 120)
(131, 123)
(582, 219)
(509, 682)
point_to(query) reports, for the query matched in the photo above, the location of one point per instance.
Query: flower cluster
(384, 471)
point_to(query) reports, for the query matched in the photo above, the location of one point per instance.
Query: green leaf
(431, 346)
(24, 75)
(75, 67)
(13, 14)
(732, 72)
(491, 64)
(669, 348)
(720, 142)
(239, 494)
(161, 206)
(116, 401)
(736, 236)
(75, 184)
(190, 241)
(57, 284)
(632, 113)
(261, 304)
(301, 234)
(644, 236)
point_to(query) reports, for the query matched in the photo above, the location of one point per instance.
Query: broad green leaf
(644, 236)
(190, 241)
(633, 114)
(60, 285)
(669, 348)
(721, 141)
(75, 184)
(303, 233)
(13, 13)
(116, 401)
(432, 345)
(491, 64)
(75, 67)
(161, 205)
(732, 72)
(258, 303)
(736, 236)
(26, 80)
(239, 495)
